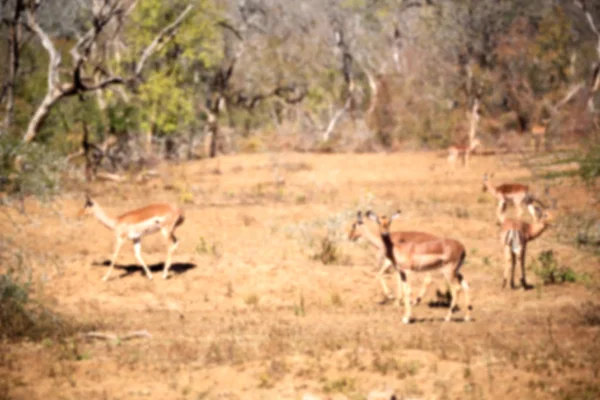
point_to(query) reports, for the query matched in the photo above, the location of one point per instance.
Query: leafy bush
(548, 270)
(589, 165)
(29, 169)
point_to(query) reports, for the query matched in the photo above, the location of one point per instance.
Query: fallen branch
(109, 177)
(111, 336)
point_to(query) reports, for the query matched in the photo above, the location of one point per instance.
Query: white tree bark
(103, 14)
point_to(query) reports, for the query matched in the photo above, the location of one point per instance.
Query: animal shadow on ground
(443, 300)
(176, 268)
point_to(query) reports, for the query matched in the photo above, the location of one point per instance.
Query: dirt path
(249, 313)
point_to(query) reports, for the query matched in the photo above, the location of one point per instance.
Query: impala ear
(395, 215)
(371, 215)
(359, 218)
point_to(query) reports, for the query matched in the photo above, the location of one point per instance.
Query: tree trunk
(41, 114)
(14, 40)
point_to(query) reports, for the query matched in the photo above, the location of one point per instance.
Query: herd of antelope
(406, 252)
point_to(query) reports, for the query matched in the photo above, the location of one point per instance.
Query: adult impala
(515, 235)
(506, 193)
(359, 229)
(135, 224)
(463, 152)
(446, 255)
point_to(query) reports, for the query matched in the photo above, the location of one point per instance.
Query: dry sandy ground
(250, 314)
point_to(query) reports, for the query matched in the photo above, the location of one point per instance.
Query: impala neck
(370, 236)
(536, 229)
(101, 216)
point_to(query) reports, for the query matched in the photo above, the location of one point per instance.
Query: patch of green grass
(547, 268)
(341, 385)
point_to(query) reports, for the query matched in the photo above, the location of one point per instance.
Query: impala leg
(513, 265)
(137, 246)
(465, 288)
(452, 160)
(172, 244)
(501, 209)
(522, 257)
(455, 287)
(508, 260)
(519, 206)
(114, 258)
(399, 286)
(406, 294)
(426, 283)
(381, 277)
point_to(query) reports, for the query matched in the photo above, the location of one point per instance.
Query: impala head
(355, 233)
(87, 207)
(540, 215)
(486, 179)
(384, 222)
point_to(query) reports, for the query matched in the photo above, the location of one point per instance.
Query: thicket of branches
(121, 81)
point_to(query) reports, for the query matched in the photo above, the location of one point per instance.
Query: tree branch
(167, 33)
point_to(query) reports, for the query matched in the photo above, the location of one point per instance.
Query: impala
(463, 152)
(505, 193)
(538, 134)
(359, 229)
(515, 235)
(446, 255)
(135, 224)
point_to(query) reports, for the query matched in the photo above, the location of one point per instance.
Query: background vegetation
(270, 74)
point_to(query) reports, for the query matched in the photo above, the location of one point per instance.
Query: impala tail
(514, 239)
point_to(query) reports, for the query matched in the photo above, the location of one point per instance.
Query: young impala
(133, 225)
(462, 152)
(515, 193)
(359, 229)
(446, 255)
(515, 235)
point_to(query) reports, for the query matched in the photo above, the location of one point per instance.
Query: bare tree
(103, 12)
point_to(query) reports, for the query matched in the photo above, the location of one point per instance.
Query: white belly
(145, 228)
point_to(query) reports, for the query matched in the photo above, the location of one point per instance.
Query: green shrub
(29, 169)
(546, 267)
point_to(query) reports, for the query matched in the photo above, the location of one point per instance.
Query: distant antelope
(515, 235)
(515, 193)
(447, 255)
(359, 229)
(464, 152)
(538, 134)
(133, 225)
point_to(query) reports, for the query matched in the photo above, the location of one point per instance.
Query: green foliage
(548, 270)
(552, 47)
(164, 103)
(31, 169)
(589, 165)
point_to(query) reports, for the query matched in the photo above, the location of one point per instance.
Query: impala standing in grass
(359, 229)
(515, 235)
(446, 255)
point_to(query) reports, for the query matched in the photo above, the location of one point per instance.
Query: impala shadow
(130, 269)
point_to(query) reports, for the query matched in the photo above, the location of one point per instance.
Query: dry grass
(269, 301)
